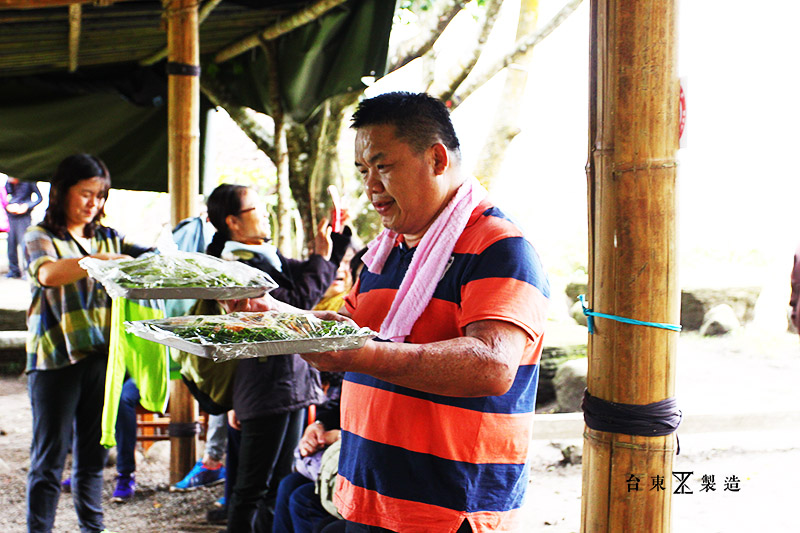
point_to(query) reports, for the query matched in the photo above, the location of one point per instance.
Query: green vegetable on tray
(166, 271)
(257, 327)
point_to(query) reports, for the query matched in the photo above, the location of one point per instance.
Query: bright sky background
(738, 182)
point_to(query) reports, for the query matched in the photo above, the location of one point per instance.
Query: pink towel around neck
(429, 261)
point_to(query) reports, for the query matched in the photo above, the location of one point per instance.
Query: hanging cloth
(145, 361)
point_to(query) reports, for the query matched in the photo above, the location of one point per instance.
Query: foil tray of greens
(178, 275)
(244, 335)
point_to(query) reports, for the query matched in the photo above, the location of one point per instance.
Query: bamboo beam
(183, 122)
(74, 35)
(302, 17)
(205, 11)
(39, 4)
(632, 248)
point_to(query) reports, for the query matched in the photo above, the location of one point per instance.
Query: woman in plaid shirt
(68, 334)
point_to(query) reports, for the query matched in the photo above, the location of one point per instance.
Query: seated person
(298, 507)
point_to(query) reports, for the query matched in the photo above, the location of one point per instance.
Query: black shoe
(217, 515)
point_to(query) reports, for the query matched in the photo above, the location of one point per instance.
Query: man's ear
(441, 158)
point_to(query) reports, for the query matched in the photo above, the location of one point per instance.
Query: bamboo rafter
(74, 35)
(39, 4)
(302, 17)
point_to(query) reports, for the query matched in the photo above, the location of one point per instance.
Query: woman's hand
(105, 256)
(233, 421)
(251, 305)
(323, 245)
(316, 438)
(312, 440)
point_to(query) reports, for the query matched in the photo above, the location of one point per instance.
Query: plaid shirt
(70, 322)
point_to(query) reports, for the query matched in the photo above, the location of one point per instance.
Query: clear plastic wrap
(178, 275)
(244, 335)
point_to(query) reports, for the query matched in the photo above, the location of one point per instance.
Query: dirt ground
(749, 375)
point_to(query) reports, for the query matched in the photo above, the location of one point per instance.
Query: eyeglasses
(246, 210)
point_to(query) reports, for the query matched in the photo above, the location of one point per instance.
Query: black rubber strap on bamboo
(182, 69)
(184, 429)
(651, 420)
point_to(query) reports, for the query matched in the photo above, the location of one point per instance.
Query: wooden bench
(152, 427)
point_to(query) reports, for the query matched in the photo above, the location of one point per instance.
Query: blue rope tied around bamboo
(651, 420)
(590, 321)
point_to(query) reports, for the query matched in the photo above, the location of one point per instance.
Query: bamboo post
(183, 101)
(632, 249)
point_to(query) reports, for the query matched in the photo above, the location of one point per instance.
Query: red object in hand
(337, 217)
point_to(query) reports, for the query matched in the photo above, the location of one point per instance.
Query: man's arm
(482, 363)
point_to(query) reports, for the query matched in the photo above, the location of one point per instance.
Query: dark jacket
(283, 383)
(21, 193)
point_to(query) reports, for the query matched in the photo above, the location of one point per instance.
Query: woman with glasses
(270, 394)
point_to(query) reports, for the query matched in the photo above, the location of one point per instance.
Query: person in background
(270, 394)
(333, 299)
(461, 296)
(298, 508)
(794, 298)
(3, 215)
(23, 196)
(68, 340)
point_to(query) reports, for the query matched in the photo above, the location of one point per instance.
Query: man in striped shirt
(436, 424)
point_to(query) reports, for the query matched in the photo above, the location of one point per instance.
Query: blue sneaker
(199, 476)
(126, 486)
(66, 485)
(221, 503)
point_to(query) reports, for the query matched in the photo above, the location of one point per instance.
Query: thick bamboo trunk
(632, 249)
(183, 178)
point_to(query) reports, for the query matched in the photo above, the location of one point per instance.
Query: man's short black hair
(420, 119)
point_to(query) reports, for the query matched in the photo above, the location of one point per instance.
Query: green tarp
(119, 112)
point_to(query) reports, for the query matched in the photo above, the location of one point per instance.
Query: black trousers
(265, 457)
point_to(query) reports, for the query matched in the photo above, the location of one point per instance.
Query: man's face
(406, 188)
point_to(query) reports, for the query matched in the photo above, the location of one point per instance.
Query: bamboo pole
(74, 35)
(205, 11)
(632, 248)
(183, 107)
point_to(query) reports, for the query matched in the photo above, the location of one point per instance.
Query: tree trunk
(281, 160)
(505, 128)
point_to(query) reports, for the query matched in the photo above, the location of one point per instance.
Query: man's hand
(341, 360)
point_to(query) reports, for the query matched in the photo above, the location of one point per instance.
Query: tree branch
(520, 48)
(244, 117)
(459, 73)
(302, 17)
(419, 46)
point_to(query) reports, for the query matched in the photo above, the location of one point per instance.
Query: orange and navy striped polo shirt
(419, 462)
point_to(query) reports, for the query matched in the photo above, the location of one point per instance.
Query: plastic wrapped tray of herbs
(244, 335)
(178, 275)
